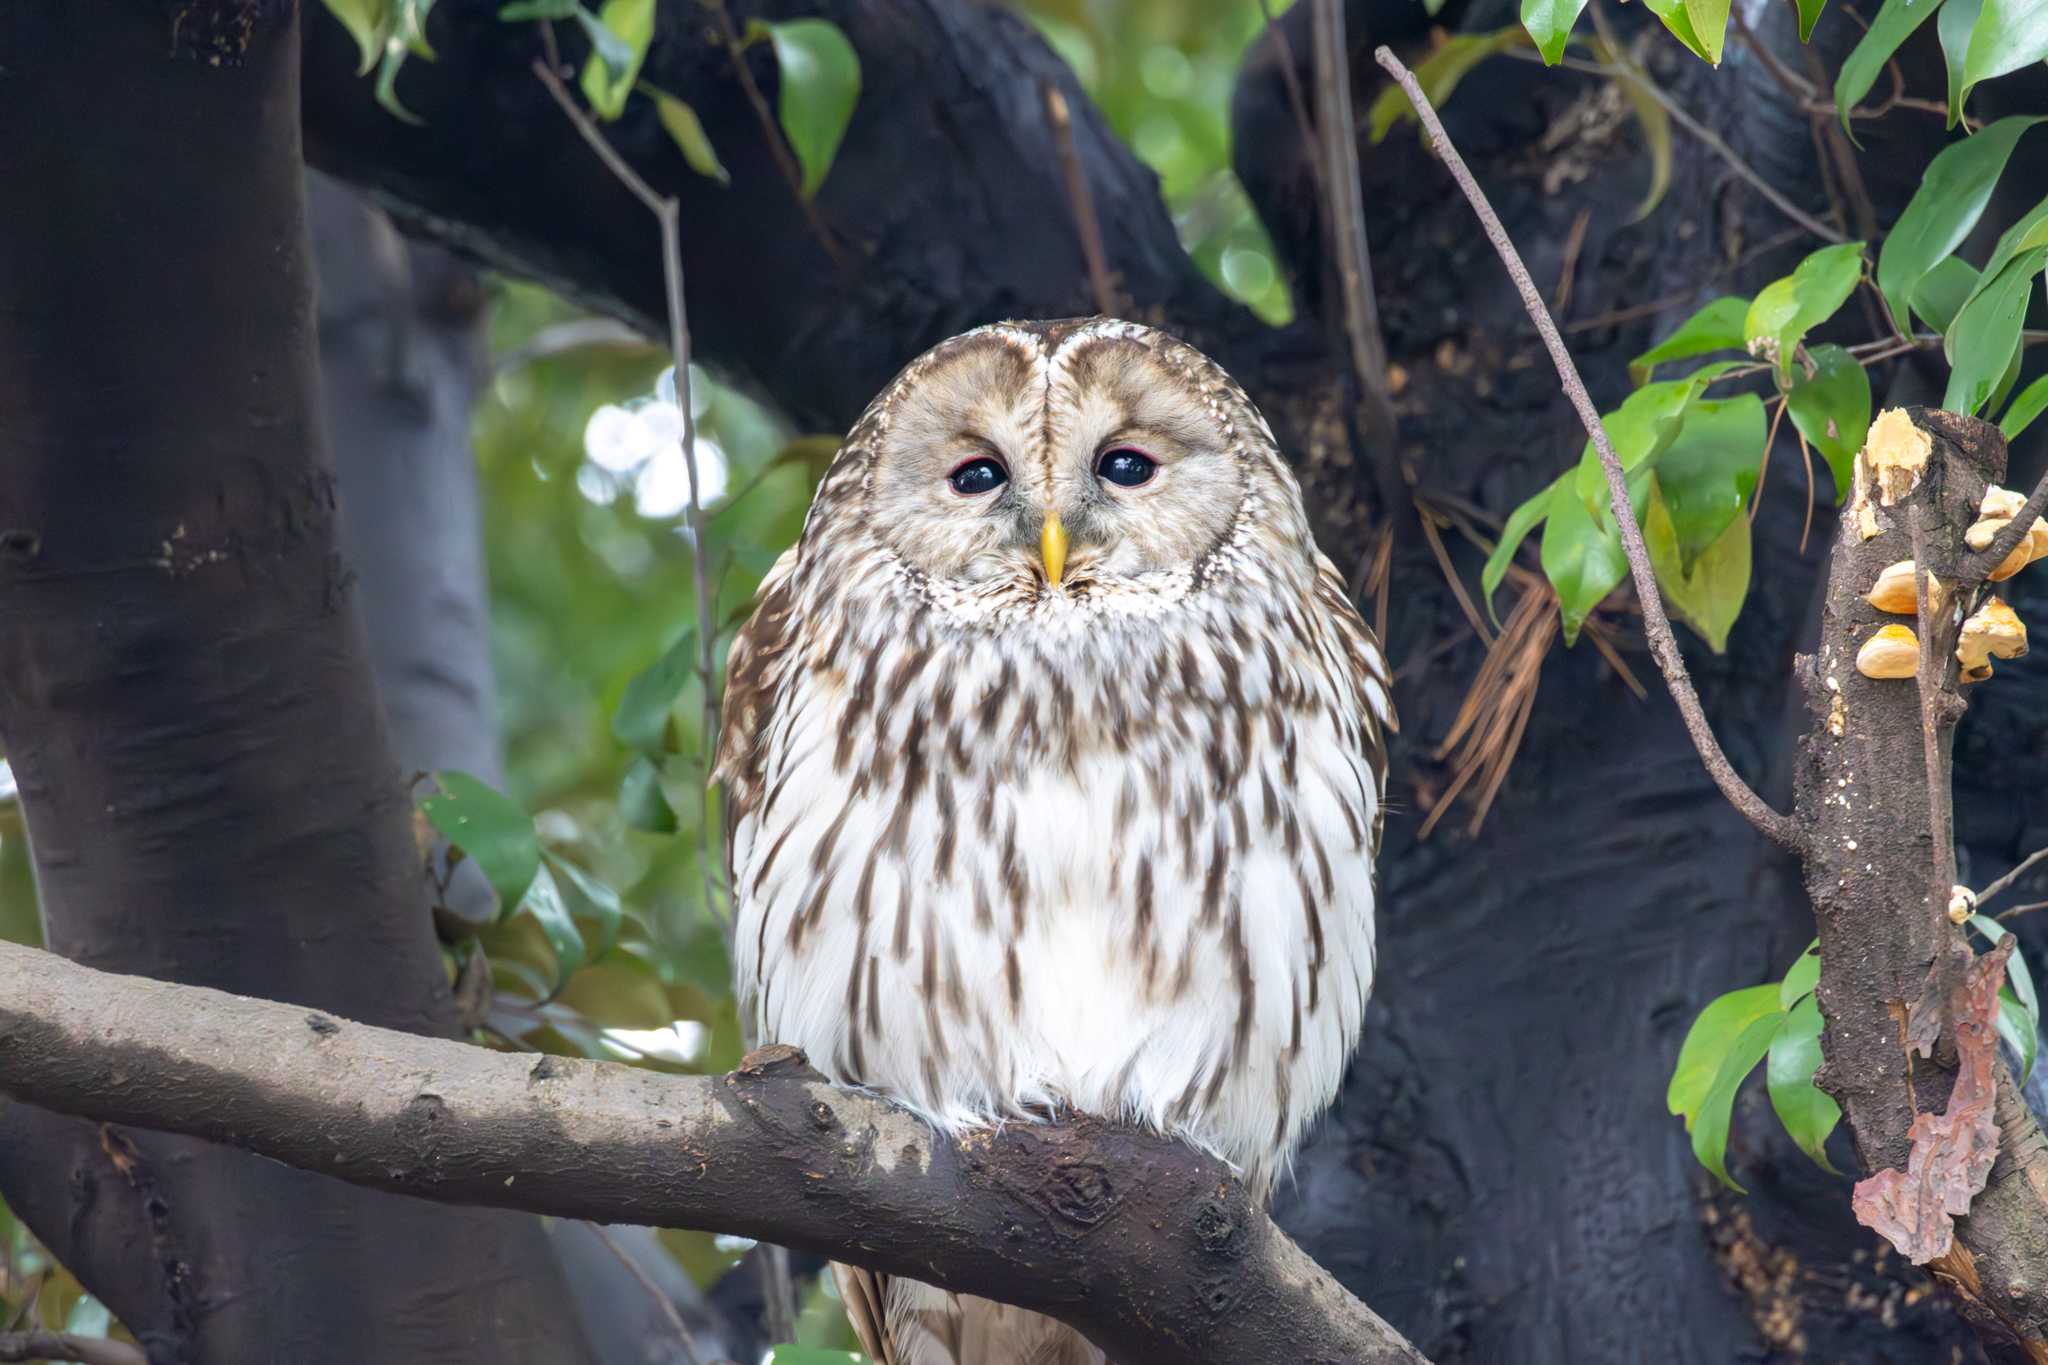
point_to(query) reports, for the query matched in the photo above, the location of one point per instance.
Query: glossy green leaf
(1582, 556)
(812, 1355)
(2008, 35)
(1710, 24)
(1808, 1114)
(1549, 25)
(1954, 189)
(1953, 26)
(2003, 388)
(1642, 428)
(387, 82)
(611, 49)
(2021, 1029)
(591, 899)
(1943, 291)
(686, 130)
(641, 802)
(1831, 408)
(1716, 327)
(1520, 522)
(1710, 1126)
(368, 22)
(1985, 336)
(1708, 1041)
(608, 81)
(522, 11)
(491, 829)
(1678, 19)
(1894, 23)
(1439, 74)
(1709, 469)
(1801, 977)
(1707, 592)
(641, 721)
(544, 901)
(819, 86)
(1785, 310)
(1809, 15)
(2032, 401)
(411, 26)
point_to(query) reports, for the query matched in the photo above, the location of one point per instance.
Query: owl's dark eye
(1125, 467)
(978, 476)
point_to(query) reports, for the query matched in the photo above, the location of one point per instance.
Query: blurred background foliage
(592, 583)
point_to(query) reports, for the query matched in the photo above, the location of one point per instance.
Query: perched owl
(1054, 757)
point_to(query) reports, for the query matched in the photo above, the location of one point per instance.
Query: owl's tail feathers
(903, 1322)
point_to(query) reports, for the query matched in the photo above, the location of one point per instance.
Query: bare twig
(1979, 568)
(2004, 884)
(2019, 910)
(55, 1346)
(654, 1291)
(771, 131)
(1656, 625)
(1295, 99)
(1080, 202)
(1339, 139)
(1929, 679)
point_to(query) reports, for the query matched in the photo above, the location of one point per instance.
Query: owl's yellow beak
(1052, 548)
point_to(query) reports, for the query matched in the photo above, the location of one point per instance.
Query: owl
(1054, 759)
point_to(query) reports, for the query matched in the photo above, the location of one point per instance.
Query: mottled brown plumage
(1050, 786)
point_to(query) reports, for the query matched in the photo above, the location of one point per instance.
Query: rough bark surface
(1152, 1249)
(185, 694)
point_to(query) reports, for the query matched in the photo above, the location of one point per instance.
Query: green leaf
(368, 22)
(1655, 120)
(1953, 192)
(491, 828)
(687, 132)
(412, 26)
(1809, 15)
(812, 1355)
(607, 83)
(1710, 24)
(1808, 1114)
(1582, 556)
(1801, 977)
(1710, 1127)
(520, 11)
(1785, 310)
(1894, 24)
(1953, 26)
(612, 50)
(1708, 470)
(543, 900)
(1707, 594)
(2016, 969)
(1549, 24)
(641, 721)
(592, 899)
(1439, 74)
(820, 84)
(641, 802)
(1520, 522)
(1716, 327)
(1678, 19)
(2020, 1029)
(2025, 408)
(1943, 291)
(1985, 336)
(2008, 35)
(1831, 408)
(1708, 1042)
(1642, 428)
(387, 82)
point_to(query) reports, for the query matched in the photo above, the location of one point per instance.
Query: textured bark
(1151, 1248)
(184, 688)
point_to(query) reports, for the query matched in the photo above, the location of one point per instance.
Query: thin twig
(55, 1346)
(1656, 625)
(1339, 139)
(1081, 203)
(2004, 883)
(2019, 910)
(1763, 466)
(1978, 569)
(1295, 99)
(1806, 459)
(771, 131)
(654, 1291)
(1928, 676)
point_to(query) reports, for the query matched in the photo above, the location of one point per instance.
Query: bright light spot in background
(645, 441)
(663, 488)
(679, 1042)
(733, 1246)
(8, 790)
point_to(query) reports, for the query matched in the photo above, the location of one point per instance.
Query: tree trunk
(185, 691)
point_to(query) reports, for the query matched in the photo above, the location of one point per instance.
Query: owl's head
(1061, 464)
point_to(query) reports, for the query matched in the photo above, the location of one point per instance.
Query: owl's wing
(753, 676)
(864, 1294)
(1368, 663)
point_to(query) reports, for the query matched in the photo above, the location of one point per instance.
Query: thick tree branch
(1656, 625)
(1148, 1246)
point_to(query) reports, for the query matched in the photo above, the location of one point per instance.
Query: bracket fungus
(1895, 591)
(1897, 451)
(1994, 631)
(2000, 506)
(1890, 652)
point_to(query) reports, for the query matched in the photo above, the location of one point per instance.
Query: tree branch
(1656, 625)
(1149, 1247)
(1979, 568)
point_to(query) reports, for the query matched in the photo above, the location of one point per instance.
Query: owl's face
(1051, 463)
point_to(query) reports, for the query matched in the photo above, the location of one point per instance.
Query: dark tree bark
(185, 692)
